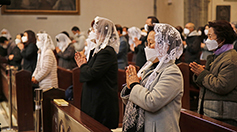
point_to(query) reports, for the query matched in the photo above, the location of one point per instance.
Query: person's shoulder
(172, 68)
(108, 50)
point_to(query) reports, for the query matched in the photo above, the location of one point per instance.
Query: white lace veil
(168, 45)
(46, 43)
(62, 41)
(132, 33)
(106, 34)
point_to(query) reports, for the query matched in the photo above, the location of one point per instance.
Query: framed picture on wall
(43, 7)
(223, 12)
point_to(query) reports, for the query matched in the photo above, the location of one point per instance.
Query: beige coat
(162, 102)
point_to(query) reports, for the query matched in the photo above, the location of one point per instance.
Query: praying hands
(80, 58)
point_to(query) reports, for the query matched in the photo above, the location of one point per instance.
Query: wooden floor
(4, 119)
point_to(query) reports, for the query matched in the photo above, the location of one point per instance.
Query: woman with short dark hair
(218, 93)
(28, 51)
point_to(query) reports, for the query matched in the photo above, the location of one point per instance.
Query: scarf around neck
(224, 48)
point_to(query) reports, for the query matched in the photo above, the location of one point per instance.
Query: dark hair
(126, 28)
(119, 28)
(21, 34)
(153, 19)
(75, 28)
(66, 33)
(3, 39)
(31, 37)
(180, 29)
(223, 30)
(201, 28)
(92, 23)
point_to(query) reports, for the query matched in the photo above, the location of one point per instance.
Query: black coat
(100, 89)
(193, 49)
(16, 61)
(66, 58)
(140, 52)
(29, 54)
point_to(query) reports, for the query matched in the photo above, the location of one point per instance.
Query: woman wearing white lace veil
(45, 72)
(65, 51)
(153, 96)
(99, 75)
(133, 33)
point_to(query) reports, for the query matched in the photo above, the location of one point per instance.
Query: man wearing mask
(140, 44)
(78, 39)
(123, 49)
(193, 42)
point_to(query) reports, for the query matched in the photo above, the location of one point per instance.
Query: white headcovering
(44, 43)
(168, 45)
(62, 41)
(106, 34)
(7, 35)
(132, 33)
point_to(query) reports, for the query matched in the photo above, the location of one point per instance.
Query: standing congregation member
(28, 51)
(13, 52)
(154, 102)
(78, 39)
(218, 93)
(193, 42)
(5, 33)
(99, 75)
(65, 52)
(123, 49)
(45, 73)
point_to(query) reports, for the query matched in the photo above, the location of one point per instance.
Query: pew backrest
(193, 122)
(64, 77)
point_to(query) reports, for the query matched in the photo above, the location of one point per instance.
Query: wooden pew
(64, 77)
(193, 122)
(70, 118)
(189, 89)
(22, 97)
(77, 87)
(3, 82)
(121, 81)
(48, 96)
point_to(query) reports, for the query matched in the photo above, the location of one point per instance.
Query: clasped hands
(131, 75)
(80, 58)
(196, 68)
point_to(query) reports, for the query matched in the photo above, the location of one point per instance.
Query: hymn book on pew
(61, 102)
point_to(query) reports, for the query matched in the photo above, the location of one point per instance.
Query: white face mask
(92, 35)
(76, 34)
(186, 31)
(39, 44)
(24, 39)
(143, 33)
(206, 31)
(211, 44)
(199, 33)
(124, 33)
(146, 27)
(151, 54)
(17, 41)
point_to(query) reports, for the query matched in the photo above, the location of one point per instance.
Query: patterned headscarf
(168, 44)
(106, 34)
